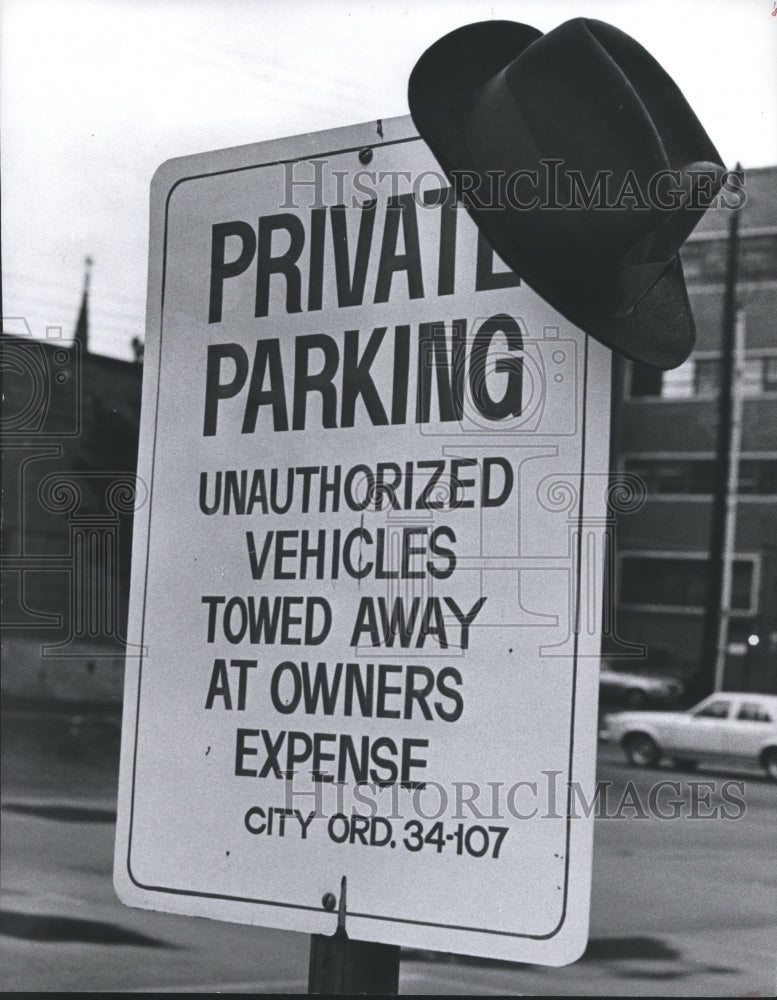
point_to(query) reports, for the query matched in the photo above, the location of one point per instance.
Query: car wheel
(641, 750)
(635, 698)
(770, 762)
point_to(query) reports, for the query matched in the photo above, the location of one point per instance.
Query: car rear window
(751, 711)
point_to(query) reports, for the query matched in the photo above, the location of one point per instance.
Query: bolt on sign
(366, 585)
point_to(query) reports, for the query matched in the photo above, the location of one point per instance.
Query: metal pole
(732, 492)
(703, 682)
(339, 966)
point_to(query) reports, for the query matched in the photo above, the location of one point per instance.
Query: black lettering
(219, 685)
(316, 272)
(285, 263)
(486, 279)
(242, 751)
(397, 624)
(357, 380)
(312, 639)
(446, 269)
(243, 666)
(288, 621)
(350, 287)
(290, 704)
(215, 389)
(425, 501)
(356, 683)
(442, 573)
(510, 403)
(220, 268)
(267, 354)
(235, 490)
(263, 620)
(257, 565)
(366, 622)
(385, 762)
(486, 499)
(401, 374)
(321, 694)
(204, 506)
(400, 210)
(449, 715)
(415, 691)
(213, 603)
(408, 761)
(321, 382)
(433, 356)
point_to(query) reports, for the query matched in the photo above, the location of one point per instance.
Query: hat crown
(582, 104)
(607, 134)
(594, 149)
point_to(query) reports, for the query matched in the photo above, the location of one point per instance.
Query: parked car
(724, 728)
(616, 687)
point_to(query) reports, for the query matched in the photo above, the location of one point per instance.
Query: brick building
(69, 447)
(664, 432)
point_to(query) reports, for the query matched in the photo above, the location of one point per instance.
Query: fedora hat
(584, 166)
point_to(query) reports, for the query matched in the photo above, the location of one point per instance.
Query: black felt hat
(583, 164)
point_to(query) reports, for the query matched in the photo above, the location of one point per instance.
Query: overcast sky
(97, 93)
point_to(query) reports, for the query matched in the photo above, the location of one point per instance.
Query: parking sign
(366, 584)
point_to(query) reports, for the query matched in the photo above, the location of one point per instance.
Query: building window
(753, 377)
(704, 260)
(770, 374)
(706, 377)
(679, 383)
(687, 476)
(758, 476)
(700, 378)
(679, 582)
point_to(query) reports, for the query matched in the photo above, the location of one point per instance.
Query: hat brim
(659, 331)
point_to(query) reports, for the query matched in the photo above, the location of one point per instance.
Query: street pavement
(681, 907)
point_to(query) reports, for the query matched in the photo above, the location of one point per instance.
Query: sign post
(339, 966)
(367, 581)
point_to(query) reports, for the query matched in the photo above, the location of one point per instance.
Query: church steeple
(81, 335)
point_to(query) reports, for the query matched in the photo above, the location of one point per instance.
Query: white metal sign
(365, 594)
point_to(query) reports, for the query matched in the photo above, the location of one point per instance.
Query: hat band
(618, 292)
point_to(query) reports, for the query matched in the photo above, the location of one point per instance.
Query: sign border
(166, 181)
